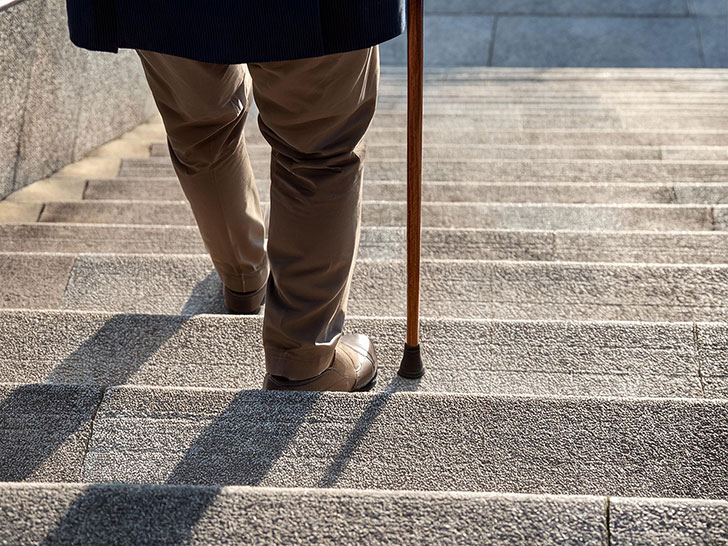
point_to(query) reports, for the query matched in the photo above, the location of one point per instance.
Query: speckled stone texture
(188, 285)
(495, 357)
(75, 238)
(654, 522)
(656, 448)
(518, 216)
(168, 514)
(590, 171)
(116, 514)
(567, 138)
(431, 152)
(44, 431)
(33, 281)
(581, 352)
(388, 243)
(168, 189)
(55, 95)
(18, 35)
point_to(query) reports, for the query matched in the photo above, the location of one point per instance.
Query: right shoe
(353, 369)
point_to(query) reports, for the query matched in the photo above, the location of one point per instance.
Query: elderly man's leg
(204, 107)
(314, 113)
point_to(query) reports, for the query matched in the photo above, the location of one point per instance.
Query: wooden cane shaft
(414, 165)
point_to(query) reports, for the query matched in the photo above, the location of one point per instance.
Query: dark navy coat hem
(235, 31)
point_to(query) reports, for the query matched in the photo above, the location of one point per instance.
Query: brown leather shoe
(354, 369)
(244, 303)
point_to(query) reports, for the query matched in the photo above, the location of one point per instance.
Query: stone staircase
(575, 328)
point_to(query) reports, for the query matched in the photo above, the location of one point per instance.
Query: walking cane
(411, 366)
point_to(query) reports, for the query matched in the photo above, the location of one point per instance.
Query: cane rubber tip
(411, 366)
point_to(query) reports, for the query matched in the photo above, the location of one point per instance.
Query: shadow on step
(44, 428)
(255, 442)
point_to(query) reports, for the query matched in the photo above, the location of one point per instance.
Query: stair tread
(114, 513)
(574, 226)
(478, 356)
(229, 515)
(168, 189)
(377, 243)
(484, 215)
(627, 447)
(500, 170)
(185, 284)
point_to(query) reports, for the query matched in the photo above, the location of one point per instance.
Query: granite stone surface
(656, 448)
(187, 285)
(116, 514)
(33, 281)
(54, 94)
(44, 431)
(18, 36)
(468, 356)
(518, 216)
(53, 103)
(668, 521)
(492, 170)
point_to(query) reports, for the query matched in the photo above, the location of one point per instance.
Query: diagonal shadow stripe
(40, 423)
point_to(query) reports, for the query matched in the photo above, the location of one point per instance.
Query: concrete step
(431, 152)
(513, 216)
(667, 76)
(558, 103)
(377, 243)
(463, 135)
(187, 285)
(664, 172)
(636, 447)
(543, 138)
(467, 356)
(559, 93)
(168, 189)
(590, 90)
(202, 515)
(150, 514)
(474, 115)
(554, 105)
(528, 121)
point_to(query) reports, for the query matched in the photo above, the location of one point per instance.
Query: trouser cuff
(299, 364)
(247, 282)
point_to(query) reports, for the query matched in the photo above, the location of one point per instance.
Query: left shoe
(244, 303)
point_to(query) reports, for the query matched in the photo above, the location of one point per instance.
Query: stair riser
(520, 445)
(529, 290)
(670, 122)
(553, 105)
(434, 215)
(168, 189)
(547, 137)
(389, 243)
(122, 514)
(499, 358)
(500, 171)
(260, 153)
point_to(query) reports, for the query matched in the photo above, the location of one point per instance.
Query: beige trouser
(313, 113)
